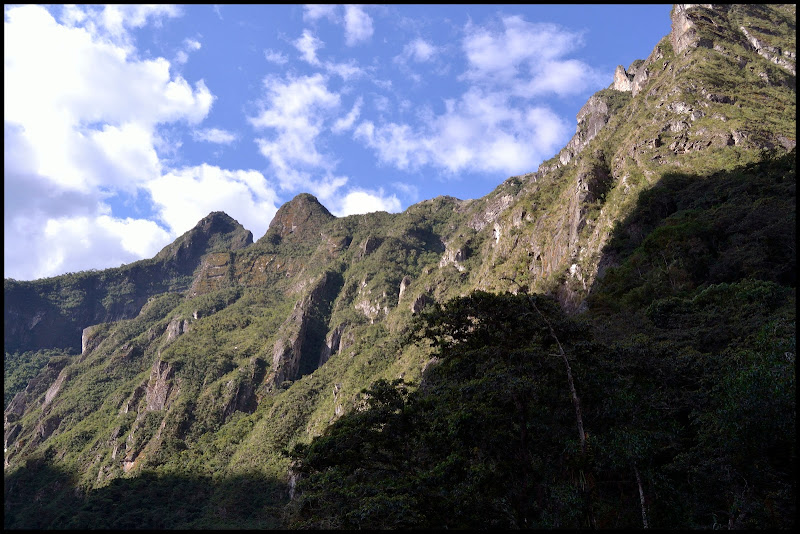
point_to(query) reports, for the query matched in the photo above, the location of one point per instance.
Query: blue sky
(125, 125)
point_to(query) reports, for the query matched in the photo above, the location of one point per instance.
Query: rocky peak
(298, 219)
(217, 231)
(684, 33)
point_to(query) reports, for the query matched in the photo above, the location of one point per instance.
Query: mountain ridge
(220, 352)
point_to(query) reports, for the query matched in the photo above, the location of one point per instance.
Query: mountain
(427, 369)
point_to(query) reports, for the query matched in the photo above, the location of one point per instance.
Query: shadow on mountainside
(42, 496)
(688, 231)
(683, 366)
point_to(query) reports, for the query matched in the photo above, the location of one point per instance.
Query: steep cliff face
(221, 352)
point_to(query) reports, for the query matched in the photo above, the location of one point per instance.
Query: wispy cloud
(294, 110)
(189, 45)
(308, 45)
(346, 123)
(276, 57)
(313, 12)
(525, 58)
(214, 135)
(479, 132)
(418, 50)
(357, 25)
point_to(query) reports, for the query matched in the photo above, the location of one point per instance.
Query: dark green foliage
(19, 369)
(688, 231)
(474, 447)
(488, 440)
(684, 366)
(150, 501)
(683, 363)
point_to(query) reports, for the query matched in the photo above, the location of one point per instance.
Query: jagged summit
(298, 219)
(216, 231)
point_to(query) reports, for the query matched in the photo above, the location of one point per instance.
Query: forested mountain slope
(639, 286)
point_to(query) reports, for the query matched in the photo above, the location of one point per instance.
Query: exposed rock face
(783, 58)
(453, 256)
(90, 339)
(684, 33)
(176, 327)
(419, 303)
(592, 117)
(53, 390)
(622, 81)
(370, 245)
(332, 343)
(404, 283)
(215, 273)
(159, 386)
(301, 338)
(49, 380)
(491, 211)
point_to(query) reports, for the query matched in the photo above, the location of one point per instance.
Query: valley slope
(194, 372)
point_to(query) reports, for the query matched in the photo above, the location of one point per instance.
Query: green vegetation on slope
(687, 391)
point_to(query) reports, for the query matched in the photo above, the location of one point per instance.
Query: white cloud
(214, 135)
(346, 71)
(296, 110)
(192, 44)
(189, 45)
(360, 201)
(308, 45)
(185, 196)
(276, 57)
(75, 243)
(49, 230)
(419, 50)
(494, 126)
(480, 132)
(357, 25)
(527, 58)
(88, 110)
(346, 123)
(112, 21)
(312, 12)
(84, 114)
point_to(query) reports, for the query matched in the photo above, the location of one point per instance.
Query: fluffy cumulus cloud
(419, 50)
(313, 12)
(479, 132)
(307, 44)
(526, 58)
(359, 201)
(186, 195)
(81, 122)
(274, 56)
(88, 109)
(358, 25)
(296, 114)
